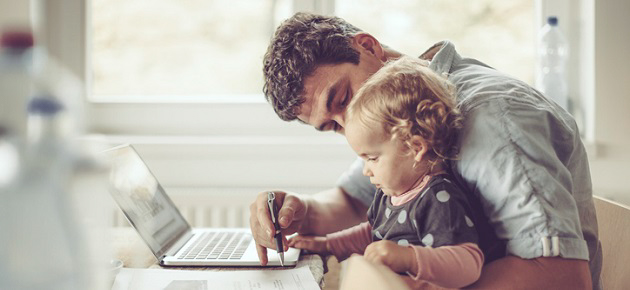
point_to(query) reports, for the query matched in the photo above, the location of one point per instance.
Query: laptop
(151, 212)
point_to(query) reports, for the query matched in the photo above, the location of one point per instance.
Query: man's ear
(419, 147)
(369, 44)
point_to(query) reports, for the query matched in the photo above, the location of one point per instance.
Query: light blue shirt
(522, 156)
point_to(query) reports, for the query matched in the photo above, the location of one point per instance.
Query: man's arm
(332, 210)
(513, 272)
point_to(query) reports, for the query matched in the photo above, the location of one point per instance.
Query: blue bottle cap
(552, 20)
(44, 105)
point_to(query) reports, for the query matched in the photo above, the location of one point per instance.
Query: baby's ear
(418, 147)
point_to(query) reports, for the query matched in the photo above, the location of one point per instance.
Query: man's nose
(340, 118)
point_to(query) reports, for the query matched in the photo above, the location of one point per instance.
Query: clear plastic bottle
(41, 245)
(553, 52)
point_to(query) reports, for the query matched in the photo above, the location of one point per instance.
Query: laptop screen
(143, 200)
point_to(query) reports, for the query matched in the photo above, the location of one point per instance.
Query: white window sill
(272, 162)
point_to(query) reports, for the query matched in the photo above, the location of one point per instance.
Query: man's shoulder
(475, 80)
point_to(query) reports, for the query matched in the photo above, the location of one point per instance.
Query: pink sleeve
(449, 266)
(353, 240)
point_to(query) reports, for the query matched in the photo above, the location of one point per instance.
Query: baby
(403, 123)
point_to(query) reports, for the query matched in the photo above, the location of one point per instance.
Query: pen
(271, 202)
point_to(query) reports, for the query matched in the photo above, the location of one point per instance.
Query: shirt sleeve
(353, 240)
(448, 266)
(357, 185)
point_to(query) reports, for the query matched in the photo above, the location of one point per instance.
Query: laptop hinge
(172, 250)
(161, 260)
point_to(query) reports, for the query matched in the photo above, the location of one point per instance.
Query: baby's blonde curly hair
(408, 99)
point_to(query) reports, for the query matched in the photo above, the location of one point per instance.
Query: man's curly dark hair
(299, 45)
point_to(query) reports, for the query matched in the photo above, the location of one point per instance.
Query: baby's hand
(398, 258)
(311, 243)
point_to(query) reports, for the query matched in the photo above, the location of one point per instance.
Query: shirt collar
(444, 59)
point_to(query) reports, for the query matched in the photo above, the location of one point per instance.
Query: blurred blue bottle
(553, 53)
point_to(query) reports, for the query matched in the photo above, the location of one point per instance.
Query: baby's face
(388, 162)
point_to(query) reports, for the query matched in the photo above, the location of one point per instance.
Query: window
(148, 50)
(498, 33)
(190, 50)
(207, 53)
(182, 68)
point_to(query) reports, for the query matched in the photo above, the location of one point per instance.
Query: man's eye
(372, 159)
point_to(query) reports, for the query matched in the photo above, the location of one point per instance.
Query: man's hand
(291, 216)
(314, 244)
(400, 259)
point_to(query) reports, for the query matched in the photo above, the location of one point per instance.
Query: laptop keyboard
(218, 245)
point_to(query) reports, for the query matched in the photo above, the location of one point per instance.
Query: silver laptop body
(157, 220)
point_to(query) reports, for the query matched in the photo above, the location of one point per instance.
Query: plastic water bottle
(553, 53)
(52, 193)
(41, 245)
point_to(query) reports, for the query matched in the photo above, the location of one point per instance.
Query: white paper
(154, 279)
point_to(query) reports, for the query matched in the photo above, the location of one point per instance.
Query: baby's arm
(315, 244)
(350, 241)
(447, 266)
(342, 244)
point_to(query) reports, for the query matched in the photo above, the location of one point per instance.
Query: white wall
(610, 168)
(14, 12)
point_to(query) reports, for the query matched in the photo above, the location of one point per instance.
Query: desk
(128, 247)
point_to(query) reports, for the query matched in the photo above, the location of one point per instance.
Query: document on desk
(152, 279)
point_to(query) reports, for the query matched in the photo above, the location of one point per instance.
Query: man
(520, 154)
